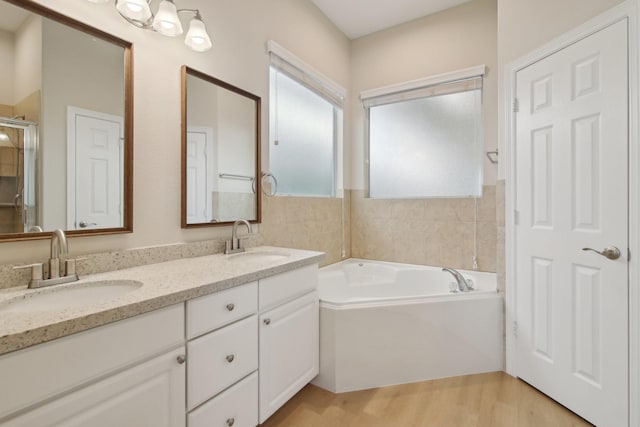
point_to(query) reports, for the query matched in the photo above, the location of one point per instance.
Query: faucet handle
(37, 271)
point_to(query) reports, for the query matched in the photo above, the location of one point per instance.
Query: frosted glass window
(428, 146)
(303, 138)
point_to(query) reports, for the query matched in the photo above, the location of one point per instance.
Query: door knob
(610, 252)
(85, 224)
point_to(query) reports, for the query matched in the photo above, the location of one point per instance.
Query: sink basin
(259, 256)
(72, 295)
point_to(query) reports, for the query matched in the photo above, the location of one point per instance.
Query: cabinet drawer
(217, 360)
(237, 406)
(286, 286)
(60, 365)
(210, 312)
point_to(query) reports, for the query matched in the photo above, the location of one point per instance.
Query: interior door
(95, 170)
(198, 208)
(571, 183)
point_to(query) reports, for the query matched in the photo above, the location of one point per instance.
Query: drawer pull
(181, 359)
(267, 321)
(231, 421)
(230, 307)
(230, 358)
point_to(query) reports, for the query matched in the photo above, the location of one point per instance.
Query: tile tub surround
(425, 231)
(118, 260)
(312, 223)
(165, 284)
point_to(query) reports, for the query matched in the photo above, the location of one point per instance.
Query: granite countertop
(164, 284)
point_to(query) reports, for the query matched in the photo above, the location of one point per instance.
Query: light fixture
(165, 21)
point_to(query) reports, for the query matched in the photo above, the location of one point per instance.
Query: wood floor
(485, 400)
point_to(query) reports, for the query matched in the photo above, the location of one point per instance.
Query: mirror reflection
(64, 140)
(220, 151)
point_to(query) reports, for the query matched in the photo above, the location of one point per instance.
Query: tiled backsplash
(436, 232)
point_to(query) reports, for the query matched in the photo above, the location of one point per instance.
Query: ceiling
(357, 18)
(11, 17)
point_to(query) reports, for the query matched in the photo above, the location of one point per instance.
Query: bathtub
(385, 323)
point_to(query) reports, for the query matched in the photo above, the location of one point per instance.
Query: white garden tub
(386, 323)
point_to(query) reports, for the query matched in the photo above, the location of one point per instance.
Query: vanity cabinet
(222, 363)
(289, 352)
(230, 358)
(289, 336)
(111, 375)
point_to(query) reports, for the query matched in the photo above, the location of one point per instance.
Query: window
(305, 132)
(425, 141)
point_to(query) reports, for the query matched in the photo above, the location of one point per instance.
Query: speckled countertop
(164, 284)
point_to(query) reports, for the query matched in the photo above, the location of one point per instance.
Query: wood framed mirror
(67, 113)
(221, 179)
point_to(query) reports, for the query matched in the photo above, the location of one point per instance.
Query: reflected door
(572, 305)
(95, 178)
(198, 201)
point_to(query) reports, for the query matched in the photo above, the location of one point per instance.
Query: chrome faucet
(463, 284)
(59, 247)
(235, 244)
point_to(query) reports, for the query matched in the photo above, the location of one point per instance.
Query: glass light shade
(197, 38)
(136, 10)
(5, 141)
(166, 21)
(99, 1)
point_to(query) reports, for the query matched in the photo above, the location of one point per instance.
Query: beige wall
(28, 59)
(239, 30)
(6, 68)
(525, 25)
(454, 39)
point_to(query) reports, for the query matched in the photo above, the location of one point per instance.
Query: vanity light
(165, 21)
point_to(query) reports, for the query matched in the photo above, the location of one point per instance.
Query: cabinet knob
(181, 359)
(230, 307)
(231, 421)
(267, 321)
(230, 358)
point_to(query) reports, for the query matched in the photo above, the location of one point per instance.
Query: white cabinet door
(288, 351)
(151, 394)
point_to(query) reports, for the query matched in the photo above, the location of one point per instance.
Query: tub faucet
(463, 285)
(235, 244)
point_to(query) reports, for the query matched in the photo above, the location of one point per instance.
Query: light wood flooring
(484, 400)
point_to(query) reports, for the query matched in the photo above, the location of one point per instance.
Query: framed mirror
(221, 179)
(66, 131)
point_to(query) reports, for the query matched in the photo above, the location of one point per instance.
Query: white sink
(259, 256)
(71, 295)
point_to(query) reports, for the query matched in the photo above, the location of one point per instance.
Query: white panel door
(571, 173)
(198, 209)
(96, 170)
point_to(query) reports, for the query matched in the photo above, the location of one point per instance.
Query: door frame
(72, 113)
(630, 10)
